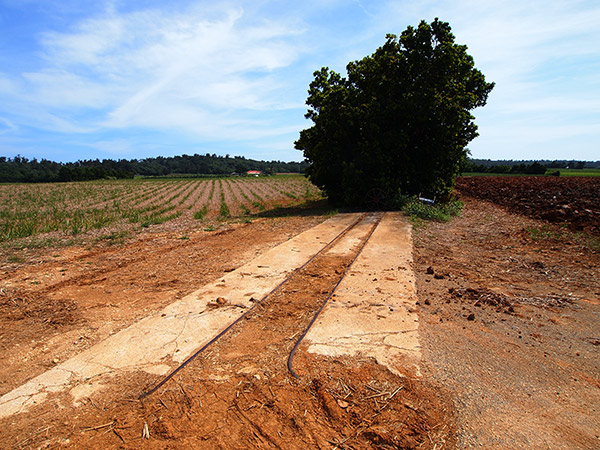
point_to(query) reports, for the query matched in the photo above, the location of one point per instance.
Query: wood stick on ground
(98, 427)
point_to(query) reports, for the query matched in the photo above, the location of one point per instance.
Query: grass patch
(549, 172)
(117, 237)
(224, 212)
(563, 235)
(440, 212)
(15, 259)
(259, 205)
(576, 172)
(199, 215)
(156, 220)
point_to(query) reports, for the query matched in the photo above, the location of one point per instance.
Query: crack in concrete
(373, 321)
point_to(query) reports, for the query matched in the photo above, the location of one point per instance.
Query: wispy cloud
(179, 71)
(6, 126)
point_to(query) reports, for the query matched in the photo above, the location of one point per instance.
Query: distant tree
(535, 169)
(399, 121)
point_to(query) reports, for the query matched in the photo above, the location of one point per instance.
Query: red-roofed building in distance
(253, 173)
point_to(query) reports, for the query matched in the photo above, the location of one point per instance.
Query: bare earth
(508, 327)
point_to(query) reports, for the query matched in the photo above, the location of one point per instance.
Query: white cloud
(238, 71)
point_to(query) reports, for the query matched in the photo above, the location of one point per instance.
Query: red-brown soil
(572, 200)
(508, 324)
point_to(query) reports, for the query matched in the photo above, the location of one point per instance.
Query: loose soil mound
(572, 200)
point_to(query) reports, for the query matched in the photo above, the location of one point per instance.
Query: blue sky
(136, 79)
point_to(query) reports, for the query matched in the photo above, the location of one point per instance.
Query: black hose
(218, 336)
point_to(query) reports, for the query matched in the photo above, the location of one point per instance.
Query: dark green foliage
(20, 169)
(534, 168)
(399, 121)
(441, 212)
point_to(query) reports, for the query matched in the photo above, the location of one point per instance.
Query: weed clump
(438, 212)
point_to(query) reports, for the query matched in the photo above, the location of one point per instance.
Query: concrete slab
(372, 311)
(172, 335)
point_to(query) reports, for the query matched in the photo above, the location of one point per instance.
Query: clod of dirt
(430, 271)
(220, 301)
(471, 317)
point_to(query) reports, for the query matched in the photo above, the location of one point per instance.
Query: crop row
(74, 208)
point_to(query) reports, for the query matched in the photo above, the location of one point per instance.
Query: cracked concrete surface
(170, 336)
(371, 313)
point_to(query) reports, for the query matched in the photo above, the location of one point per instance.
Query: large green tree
(399, 121)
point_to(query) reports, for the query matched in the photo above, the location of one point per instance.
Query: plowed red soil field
(572, 200)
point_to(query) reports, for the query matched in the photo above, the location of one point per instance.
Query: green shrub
(440, 212)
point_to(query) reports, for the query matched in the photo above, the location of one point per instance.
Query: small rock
(343, 404)
(427, 302)
(430, 270)
(471, 317)
(220, 301)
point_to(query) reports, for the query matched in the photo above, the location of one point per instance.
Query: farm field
(507, 304)
(110, 209)
(579, 172)
(563, 173)
(573, 201)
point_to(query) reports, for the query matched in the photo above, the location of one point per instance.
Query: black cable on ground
(218, 336)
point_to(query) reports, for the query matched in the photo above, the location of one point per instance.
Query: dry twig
(145, 431)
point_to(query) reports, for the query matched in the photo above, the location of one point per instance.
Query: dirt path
(510, 330)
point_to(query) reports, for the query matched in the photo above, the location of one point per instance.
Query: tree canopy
(399, 121)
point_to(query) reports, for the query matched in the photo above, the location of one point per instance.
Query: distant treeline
(20, 169)
(524, 167)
